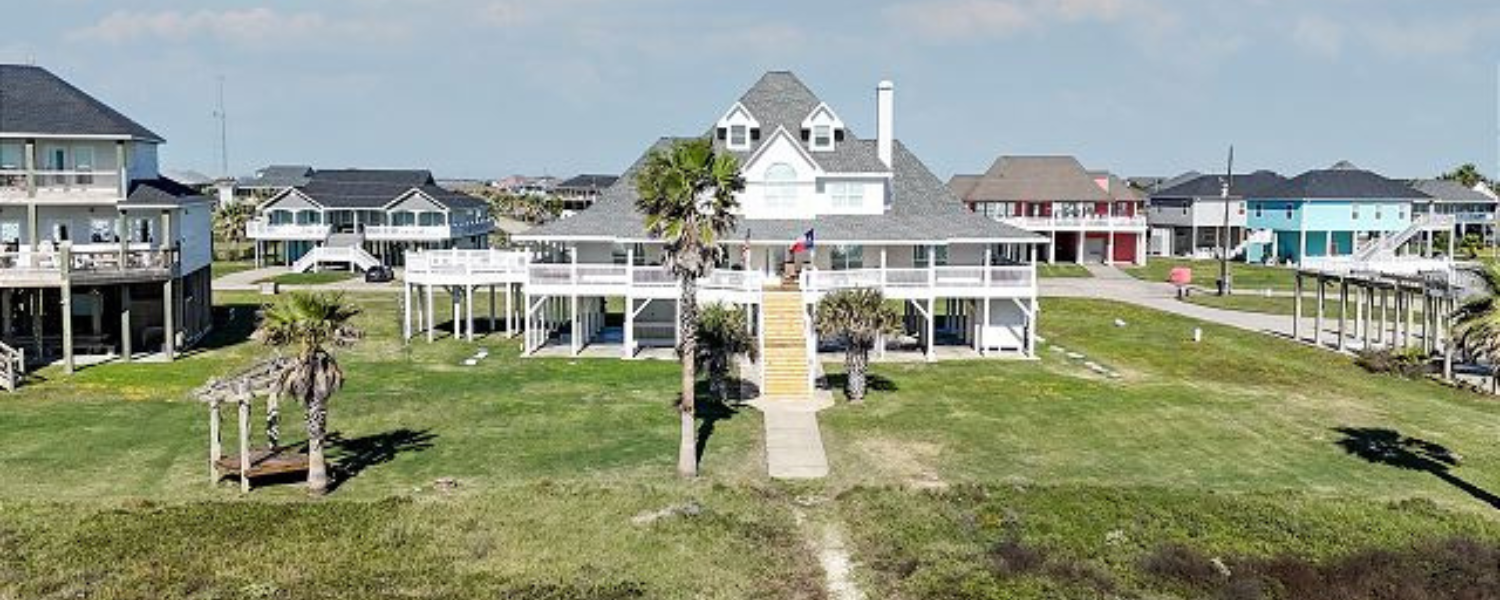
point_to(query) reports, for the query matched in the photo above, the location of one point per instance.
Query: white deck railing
(467, 265)
(259, 229)
(428, 232)
(1079, 222)
(472, 266)
(1019, 277)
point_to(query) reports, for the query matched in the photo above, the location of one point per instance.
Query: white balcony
(260, 229)
(950, 281)
(61, 186)
(427, 233)
(1089, 223)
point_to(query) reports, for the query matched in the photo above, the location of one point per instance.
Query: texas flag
(804, 243)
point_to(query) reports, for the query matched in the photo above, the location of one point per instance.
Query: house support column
(492, 310)
(7, 298)
(405, 312)
(125, 349)
(67, 323)
(169, 320)
(628, 337)
(431, 324)
(1318, 296)
(469, 315)
(1343, 310)
(575, 337)
(1297, 307)
(931, 328)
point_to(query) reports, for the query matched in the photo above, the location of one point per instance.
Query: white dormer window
(739, 137)
(821, 129)
(822, 137)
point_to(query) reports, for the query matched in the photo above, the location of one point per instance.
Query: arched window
(781, 186)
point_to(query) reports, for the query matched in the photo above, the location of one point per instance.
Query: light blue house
(1327, 212)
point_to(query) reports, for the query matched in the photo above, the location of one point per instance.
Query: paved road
(1110, 283)
(244, 281)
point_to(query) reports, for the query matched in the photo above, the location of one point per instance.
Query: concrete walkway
(794, 445)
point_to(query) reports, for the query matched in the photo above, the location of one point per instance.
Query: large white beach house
(879, 217)
(101, 255)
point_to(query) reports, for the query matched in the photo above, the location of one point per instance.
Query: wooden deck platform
(266, 462)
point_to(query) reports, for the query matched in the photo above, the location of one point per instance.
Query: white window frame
(825, 132)
(781, 187)
(845, 195)
(744, 137)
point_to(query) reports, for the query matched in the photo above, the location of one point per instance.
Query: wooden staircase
(784, 360)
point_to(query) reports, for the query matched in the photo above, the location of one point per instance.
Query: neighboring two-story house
(1341, 211)
(1085, 216)
(580, 191)
(363, 218)
(1190, 216)
(99, 254)
(1456, 209)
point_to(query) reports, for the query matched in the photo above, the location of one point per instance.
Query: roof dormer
(822, 129)
(738, 128)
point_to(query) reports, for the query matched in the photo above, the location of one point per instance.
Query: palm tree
(1476, 323)
(723, 334)
(858, 318)
(310, 325)
(229, 224)
(686, 194)
(1466, 175)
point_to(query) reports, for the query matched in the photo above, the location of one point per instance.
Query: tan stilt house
(99, 255)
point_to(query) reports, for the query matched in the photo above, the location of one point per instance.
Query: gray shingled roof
(781, 100)
(1036, 178)
(160, 193)
(1342, 181)
(278, 176)
(374, 188)
(1211, 186)
(1445, 190)
(34, 101)
(584, 182)
(921, 209)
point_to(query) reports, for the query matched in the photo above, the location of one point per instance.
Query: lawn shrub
(1406, 363)
(1182, 565)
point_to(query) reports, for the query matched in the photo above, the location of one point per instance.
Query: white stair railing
(355, 256)
(1385, 247)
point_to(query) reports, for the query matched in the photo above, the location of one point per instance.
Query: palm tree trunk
(317, 465)
(687, 450)
(856, 363)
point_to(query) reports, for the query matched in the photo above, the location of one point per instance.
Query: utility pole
(223, 118)
(1225, 285)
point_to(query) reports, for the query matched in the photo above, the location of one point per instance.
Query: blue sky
(474, 88)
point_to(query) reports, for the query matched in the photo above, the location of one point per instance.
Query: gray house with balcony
(99, 254)
(1188, 218)
(365, 217)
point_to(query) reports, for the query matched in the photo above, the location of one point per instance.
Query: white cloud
(957, 20)
(1319, 35)
(248, 26)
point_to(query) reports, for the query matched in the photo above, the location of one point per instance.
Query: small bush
(1011, 557)
(1407, 363)
(1183, 565)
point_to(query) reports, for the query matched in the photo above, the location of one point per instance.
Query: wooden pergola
(1386, 308)
(242, 389)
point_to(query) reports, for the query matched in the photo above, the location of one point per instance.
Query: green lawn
(1228, 447)
(1206, 273)
(1273, 305)
(310, 278)
(1045, 270)
(221, 268)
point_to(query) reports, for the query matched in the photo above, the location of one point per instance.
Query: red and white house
(1086, 215)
